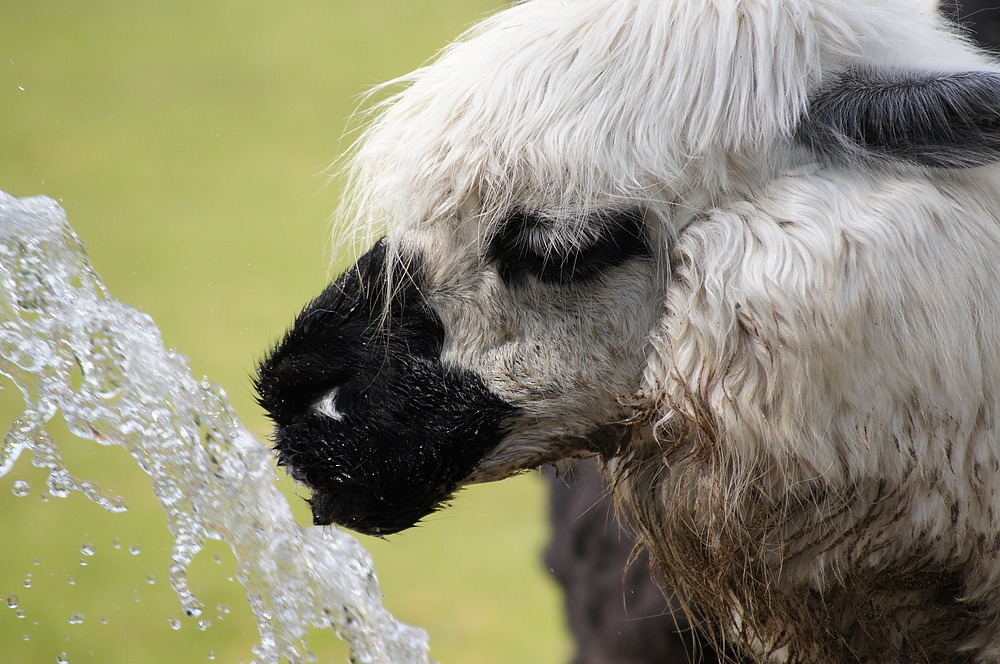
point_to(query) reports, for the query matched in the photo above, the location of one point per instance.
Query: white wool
(574, 104)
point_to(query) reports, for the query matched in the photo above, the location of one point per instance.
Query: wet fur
(826, 470)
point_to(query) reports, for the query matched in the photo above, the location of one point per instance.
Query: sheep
(744, 252)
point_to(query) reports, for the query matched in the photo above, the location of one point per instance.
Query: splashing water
(69, 347)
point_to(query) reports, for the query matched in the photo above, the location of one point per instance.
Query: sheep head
(388, 395)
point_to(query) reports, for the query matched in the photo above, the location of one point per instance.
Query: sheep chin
(530, 451)
(351, 509)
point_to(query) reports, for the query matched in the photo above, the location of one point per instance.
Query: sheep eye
(559, 253)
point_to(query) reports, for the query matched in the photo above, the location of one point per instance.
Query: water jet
(101, 365)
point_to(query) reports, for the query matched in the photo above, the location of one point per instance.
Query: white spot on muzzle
(328, 406)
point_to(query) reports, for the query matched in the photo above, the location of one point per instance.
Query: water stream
(73, 349)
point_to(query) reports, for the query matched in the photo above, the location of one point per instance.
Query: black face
(366, 415)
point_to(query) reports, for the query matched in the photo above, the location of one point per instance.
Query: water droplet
(116, 543)
(104, 620)
(211, 654)
(222, 609)
(218, 558)
(21, 488)
(62, 658)
(135, 549)
(76, 619)
(27, 638)
(61, 483)
(13, 602)
(44, 497)
(174, 623)
(204, 624)
(88, 549)
(19, 613)
(71, 580)
(83, 561)
(36, 561)
(27, 583)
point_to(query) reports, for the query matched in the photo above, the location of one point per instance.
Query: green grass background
(186, 141)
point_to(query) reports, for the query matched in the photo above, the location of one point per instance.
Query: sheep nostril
(327, 406)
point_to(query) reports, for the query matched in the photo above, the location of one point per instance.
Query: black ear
(940, 120)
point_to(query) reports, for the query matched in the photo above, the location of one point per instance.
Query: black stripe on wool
(409, 429)
(939, 120)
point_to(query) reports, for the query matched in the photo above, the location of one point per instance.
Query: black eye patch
(528, 244)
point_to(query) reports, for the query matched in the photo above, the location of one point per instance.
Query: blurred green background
(187, 142)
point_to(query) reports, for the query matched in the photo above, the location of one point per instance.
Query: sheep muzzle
(366, 414)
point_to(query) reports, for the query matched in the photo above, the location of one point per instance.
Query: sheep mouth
(359, 509)
(399, 452)
(380, 482)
